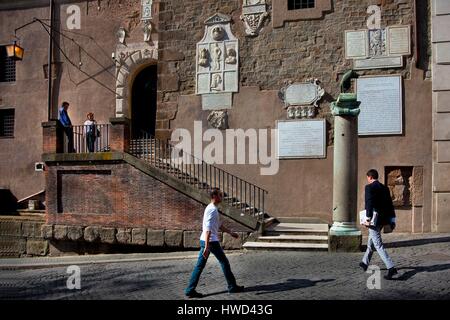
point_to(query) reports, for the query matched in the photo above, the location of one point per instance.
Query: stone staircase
(299, 236)
(243, 201)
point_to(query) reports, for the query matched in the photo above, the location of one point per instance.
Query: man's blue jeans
(216, 250)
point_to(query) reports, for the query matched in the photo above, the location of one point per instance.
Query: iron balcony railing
(241, 194)
(87, 138)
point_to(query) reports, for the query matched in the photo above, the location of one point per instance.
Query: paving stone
(31, 229)
(423, 265)
(155, 238)
(107, 235)
(123, 235)
(91, 234)
(74, 233)
(191, 239)
(37, 247)
(47, 231)
(173, 238)
(60, 232)
(139, 236)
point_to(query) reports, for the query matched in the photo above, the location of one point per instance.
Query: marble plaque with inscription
(356, 44)
(381, 105)
(378, 63)
(399, 40)
(299, 139)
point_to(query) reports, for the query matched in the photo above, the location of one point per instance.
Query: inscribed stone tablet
(301, 139)
(381, 105)
(399, 40)
(378, 63)
(301, 94)
(356, 44)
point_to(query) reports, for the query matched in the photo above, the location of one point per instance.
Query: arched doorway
(143, 102)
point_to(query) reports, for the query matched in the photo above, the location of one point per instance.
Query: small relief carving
(147, 53)
(301, 100)
(217, 33)
(301, 112)
(399, 183)
(216, 82)
(203, 57)
(254, 12)
(218, 120)
(377, 42)
(121, 35)
(147, 28)
(231, 56)
(217, 57)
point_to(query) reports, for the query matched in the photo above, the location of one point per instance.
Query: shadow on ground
(290, 284)
(417, 242)
(415, 270)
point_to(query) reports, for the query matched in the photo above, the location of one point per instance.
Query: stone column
(119, 139)
(53, 139)
(344, 234)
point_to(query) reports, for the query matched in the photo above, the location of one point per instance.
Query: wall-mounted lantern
(14, 51)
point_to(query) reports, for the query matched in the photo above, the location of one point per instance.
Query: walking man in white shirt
(209, 242)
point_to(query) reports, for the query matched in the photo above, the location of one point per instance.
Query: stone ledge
(183, 239)
(82, 157)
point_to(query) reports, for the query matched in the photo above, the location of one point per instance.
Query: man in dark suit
(378, 199)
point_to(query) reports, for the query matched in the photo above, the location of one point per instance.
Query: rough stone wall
(20, 236)
(298, 51)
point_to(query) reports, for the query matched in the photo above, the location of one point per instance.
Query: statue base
(344, 237)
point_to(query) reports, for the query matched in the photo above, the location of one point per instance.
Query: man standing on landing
(209, 242)
(378, 199)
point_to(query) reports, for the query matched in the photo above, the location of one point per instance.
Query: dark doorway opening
(143, 102)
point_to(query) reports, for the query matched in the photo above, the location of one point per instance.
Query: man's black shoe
(391, 272)
(236, 289)
(363, 266)
(194, 294)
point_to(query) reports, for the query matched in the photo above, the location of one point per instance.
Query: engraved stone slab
(298, 139)
(217, 101)
(302, 94)
(378, 63)
(356, 44)
(399, 40)
(381, 105)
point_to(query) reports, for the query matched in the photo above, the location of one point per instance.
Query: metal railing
(241, 194)
(86, 138)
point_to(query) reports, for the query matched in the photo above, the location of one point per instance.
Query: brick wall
(120, 196)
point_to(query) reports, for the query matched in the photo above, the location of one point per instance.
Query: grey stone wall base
(344, 243)
(39, 239)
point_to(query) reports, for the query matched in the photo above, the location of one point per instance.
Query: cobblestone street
(424, 273)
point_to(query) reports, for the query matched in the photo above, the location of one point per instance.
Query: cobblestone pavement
(424, 273)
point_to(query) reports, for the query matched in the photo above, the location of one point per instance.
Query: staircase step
(295, 238)
(297, 229)
(268, 221)
(286, 246)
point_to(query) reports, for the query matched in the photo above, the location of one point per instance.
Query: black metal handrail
(241, 194)
(86, 138)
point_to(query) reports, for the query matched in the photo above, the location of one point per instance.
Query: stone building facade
(98, 71)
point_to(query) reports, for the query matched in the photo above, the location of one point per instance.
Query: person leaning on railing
(91, 132)
(64, 119)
